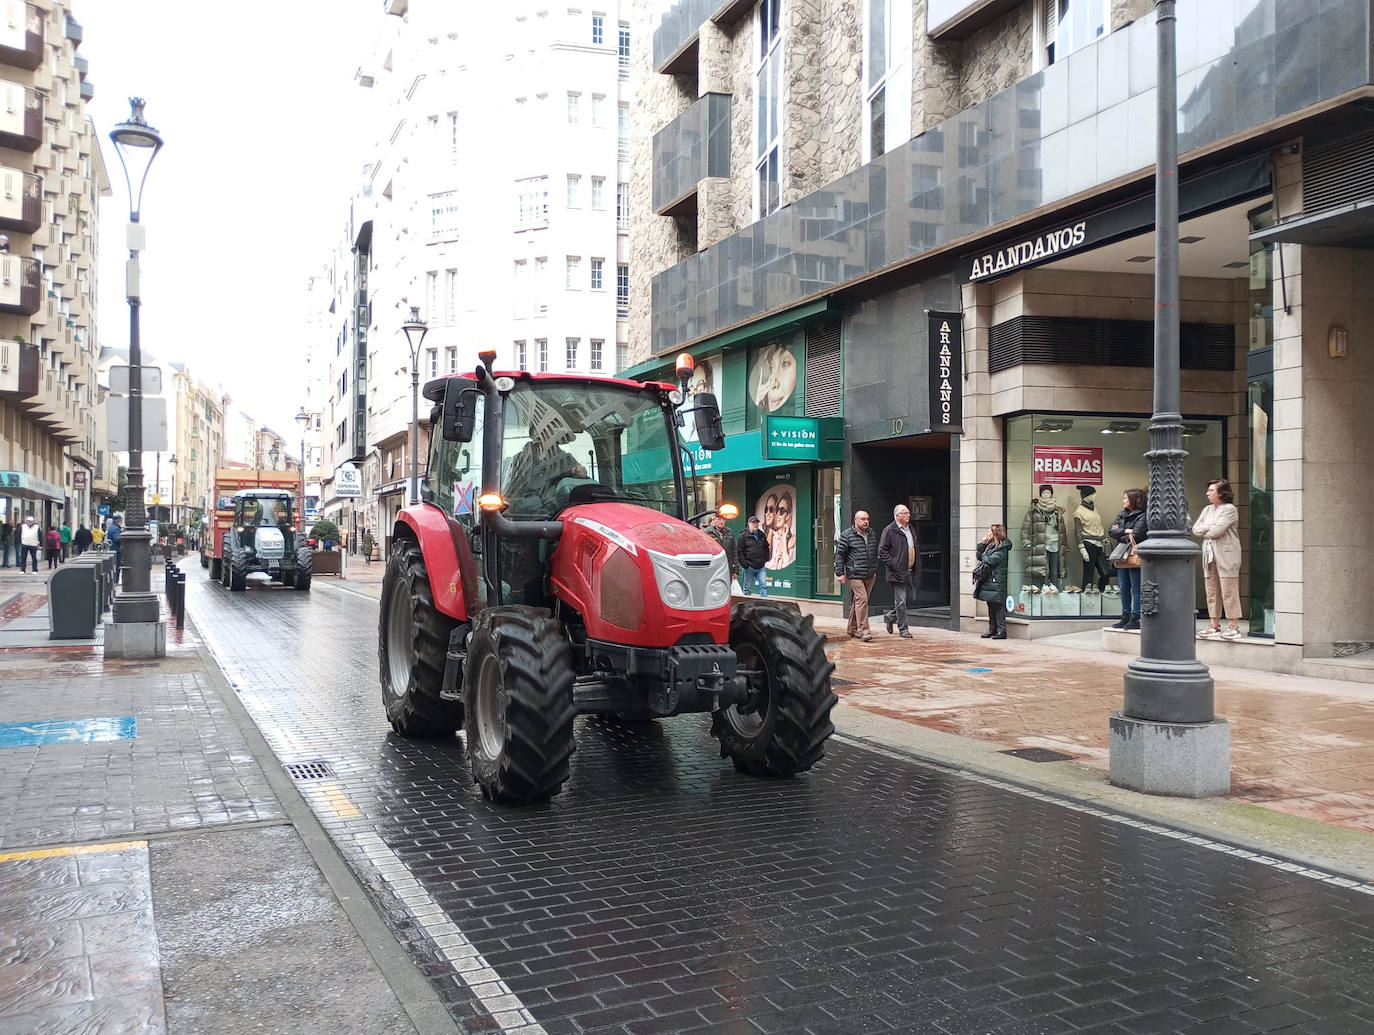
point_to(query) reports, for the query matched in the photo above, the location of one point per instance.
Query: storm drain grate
(308, 770)
(958, 661)
(1039, 755)
(837, 681)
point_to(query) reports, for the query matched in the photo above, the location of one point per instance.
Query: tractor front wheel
(518, 688)
(412, 648)
(238, 572)
(781, 729)
(304, 569)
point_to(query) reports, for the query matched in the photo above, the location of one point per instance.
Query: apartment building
(51, 182)
(921, 238)
(495, 201)
(196, 445)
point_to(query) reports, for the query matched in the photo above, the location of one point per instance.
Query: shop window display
(1065, 477)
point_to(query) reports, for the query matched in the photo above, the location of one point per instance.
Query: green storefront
(784, 440)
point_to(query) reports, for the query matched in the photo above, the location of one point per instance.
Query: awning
(23, 485)
(1348, 226)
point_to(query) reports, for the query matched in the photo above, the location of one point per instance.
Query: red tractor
(553, 568)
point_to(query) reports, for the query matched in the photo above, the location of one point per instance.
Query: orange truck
(239, 489)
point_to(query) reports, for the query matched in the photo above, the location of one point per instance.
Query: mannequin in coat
(1042, 535)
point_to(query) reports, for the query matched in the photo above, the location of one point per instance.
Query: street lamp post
(274, 454)
(1167, 739)
(415, 331)
(135, 631)
(172, 491)
(303, 421)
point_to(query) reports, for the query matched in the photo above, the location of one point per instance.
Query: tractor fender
(449, 562)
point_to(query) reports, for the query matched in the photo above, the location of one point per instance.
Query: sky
(251, 188)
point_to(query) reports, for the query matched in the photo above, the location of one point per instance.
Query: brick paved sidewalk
(151, 876)
(1298, 745)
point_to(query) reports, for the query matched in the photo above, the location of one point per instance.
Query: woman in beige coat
(1221, 559)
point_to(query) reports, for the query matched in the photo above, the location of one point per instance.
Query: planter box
(326, 562)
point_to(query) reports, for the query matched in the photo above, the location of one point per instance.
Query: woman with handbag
(1221, 559)
(990, 580)
(1128, 531)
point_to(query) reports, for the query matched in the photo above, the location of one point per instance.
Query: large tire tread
(536, 667)
(304, 569)
(794, 733)
(418, 710)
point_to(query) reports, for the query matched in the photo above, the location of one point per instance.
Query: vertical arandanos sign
(946, 367)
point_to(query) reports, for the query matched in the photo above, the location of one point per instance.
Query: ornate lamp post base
(1185, 760)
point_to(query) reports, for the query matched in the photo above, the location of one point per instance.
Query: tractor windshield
(565, 443)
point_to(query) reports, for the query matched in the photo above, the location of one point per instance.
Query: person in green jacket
(65, 532)
(995, 551)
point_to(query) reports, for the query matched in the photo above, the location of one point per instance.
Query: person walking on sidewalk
(368, 545)
(995, 552)
(30, 538)
(856, 566)
(1221, 559)
(1131, 526)
(720, 532)
(899, 557)
(65, 531)
(112, 534)
(752, 552)
(6, 542)
(82, 539)
(53, 543)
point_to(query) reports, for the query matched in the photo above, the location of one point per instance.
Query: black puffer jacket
(752, 549)
(856, 553)
(1130, 520)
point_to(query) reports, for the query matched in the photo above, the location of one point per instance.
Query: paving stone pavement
(663, 892)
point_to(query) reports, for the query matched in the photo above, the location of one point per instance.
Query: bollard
(181, 600)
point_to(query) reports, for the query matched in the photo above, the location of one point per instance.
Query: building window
(768, 73)
(541, 285)
(574, 107)
(598, 109)
(574, 272)
(431, 293)
(521, 359)
(622, 289)
(622, 206)
(541, 346)
(443, 216)
(598, 192)
(432, 355)
(572, 344)
(597, 282)
(598, 29)
(622, 129)
(453, 138)
(622, 355)
(598, 347)
(1064, 26)
(624, 50)
(533, 205)
(574, 190)
(451, 360)
(887, 76)
(450, 297)
(522, 289)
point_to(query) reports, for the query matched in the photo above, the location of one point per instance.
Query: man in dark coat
(718, 531)
(82, 538)
(901, 561)
(752, 552)
(856, 566)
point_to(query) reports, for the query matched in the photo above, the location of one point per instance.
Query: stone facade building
(916, 236)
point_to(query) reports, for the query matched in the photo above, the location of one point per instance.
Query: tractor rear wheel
(518, 688)
(412, 645)
(782, 728)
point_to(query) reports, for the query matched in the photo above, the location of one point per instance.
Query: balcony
(21, 285)
(692, 147)
(20, 373)
(1065, 132)
(74, 31)
(21, 121)
(21, 200)
(675, 39)
(87, 90)
(22, 45)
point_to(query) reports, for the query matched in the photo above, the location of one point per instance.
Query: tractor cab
(263, 520)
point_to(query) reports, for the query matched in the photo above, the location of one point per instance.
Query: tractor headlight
(676, 593)
(717, 592)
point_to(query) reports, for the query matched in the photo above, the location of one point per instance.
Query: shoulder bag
(1124, 556)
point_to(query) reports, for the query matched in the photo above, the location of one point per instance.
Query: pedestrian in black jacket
(995, 552)
(901, 561)
(82, 538)
(1131, 526)
(856, 565)
(752, 553)
(718, 531)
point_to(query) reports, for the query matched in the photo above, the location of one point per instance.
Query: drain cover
(1038, 755)
(308, 770)
(837, 681)
(958, 661)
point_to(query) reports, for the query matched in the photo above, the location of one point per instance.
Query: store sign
(1067, 465)
(30, 486)
(1030, 252)
(78, 479)
(392, 487)
(348, 481)
(946, 366)
(802, 438)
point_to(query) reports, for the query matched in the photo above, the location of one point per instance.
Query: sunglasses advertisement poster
(775, 381)
(776, 508)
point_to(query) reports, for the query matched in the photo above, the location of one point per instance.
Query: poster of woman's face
(777, 509)
(773, 379)
(704, 379)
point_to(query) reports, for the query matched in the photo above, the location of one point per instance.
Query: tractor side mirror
(707, 414)
(460, 411)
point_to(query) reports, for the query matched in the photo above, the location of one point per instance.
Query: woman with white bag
(1221, 559)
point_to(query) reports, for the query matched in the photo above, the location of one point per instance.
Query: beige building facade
(963, 191)
(52, 180)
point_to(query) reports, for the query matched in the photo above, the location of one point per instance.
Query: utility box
(73, 602)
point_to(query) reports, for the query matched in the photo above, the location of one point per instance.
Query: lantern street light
(303, 419)
(274, 454)
(415, 331)
(136, 630)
